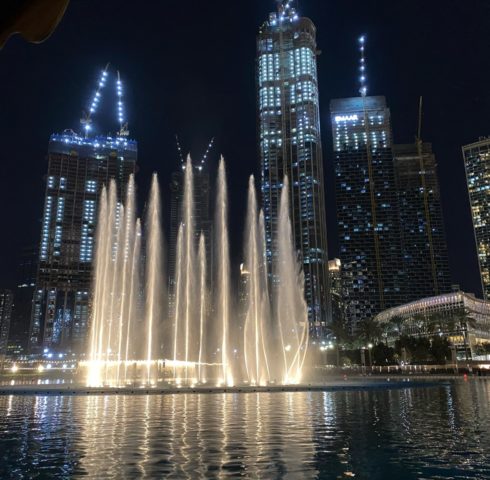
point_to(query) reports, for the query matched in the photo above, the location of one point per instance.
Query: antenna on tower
(123, 126)
(362, 66)
(86, 116)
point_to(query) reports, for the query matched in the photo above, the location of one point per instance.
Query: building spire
(362, 66)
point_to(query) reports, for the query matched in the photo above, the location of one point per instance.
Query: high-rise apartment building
(425, 257)
(6, 302)
(477, 164)
(290, 144)
(78, 167)
(367, 207)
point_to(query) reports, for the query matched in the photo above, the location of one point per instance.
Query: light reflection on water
(440, 432)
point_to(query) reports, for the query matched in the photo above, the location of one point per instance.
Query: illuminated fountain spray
(154, 278)
(256, 338)
(222, 293)
(131, 338)
(116, 285)
(290, 306)
(186, 324)
(203, 309)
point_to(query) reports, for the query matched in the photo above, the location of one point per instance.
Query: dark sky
(188, 68)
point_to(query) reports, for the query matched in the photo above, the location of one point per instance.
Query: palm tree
(369, 330)
(395, 324)
(464, 318)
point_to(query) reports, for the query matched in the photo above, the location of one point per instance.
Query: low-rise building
(460, 317)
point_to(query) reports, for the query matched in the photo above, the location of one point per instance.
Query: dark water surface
(438, 432)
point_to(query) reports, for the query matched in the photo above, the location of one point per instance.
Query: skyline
(47, 117)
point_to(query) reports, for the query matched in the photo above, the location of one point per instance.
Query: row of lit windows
(52, 182)
(91, 186)
(45, 229)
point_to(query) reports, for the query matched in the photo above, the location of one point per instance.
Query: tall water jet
(178, 300)
(134, 289)
(223, 274)
(188, 217)
(154, 274)
(290, 305)
(201, 373)
(254, 343)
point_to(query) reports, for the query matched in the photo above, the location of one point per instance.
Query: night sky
(189, 68)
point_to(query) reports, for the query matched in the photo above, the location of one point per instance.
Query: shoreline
(336, 385)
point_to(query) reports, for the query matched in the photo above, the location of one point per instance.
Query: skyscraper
(290, 144)
(78, 167)
(367, 207)
(6, 301)
(477, 164)
(424, 246)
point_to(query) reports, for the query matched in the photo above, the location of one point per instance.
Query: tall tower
(78, 167)
(290, 144)
(367, 203)
(424, 246)
(477, 165)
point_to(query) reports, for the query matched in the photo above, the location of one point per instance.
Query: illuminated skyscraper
(367, 207)
(78, 167)
(290, 144)
(6, 302)
(424, 247)
(477, 165)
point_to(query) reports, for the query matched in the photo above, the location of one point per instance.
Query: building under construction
(425, 258)
(79, 165)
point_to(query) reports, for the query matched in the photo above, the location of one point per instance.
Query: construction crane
(86, 120)
(425, 193)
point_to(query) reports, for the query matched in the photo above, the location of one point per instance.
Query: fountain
(134, 341)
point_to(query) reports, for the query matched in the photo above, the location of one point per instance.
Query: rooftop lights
(362, 66)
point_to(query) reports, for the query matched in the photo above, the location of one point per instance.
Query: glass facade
(289, 143)
(367, 207)
(6, 303)
(477, 165)
(77, 169)
(424, 246)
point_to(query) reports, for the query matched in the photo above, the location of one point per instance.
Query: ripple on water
(415, 433)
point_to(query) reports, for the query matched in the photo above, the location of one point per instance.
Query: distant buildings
(367, 207)
(477, 165)
(78, 167)
(425, 258)
(6, 302)
(290, 144)
(23, 295)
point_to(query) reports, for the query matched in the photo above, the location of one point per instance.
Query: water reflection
(414, 433)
